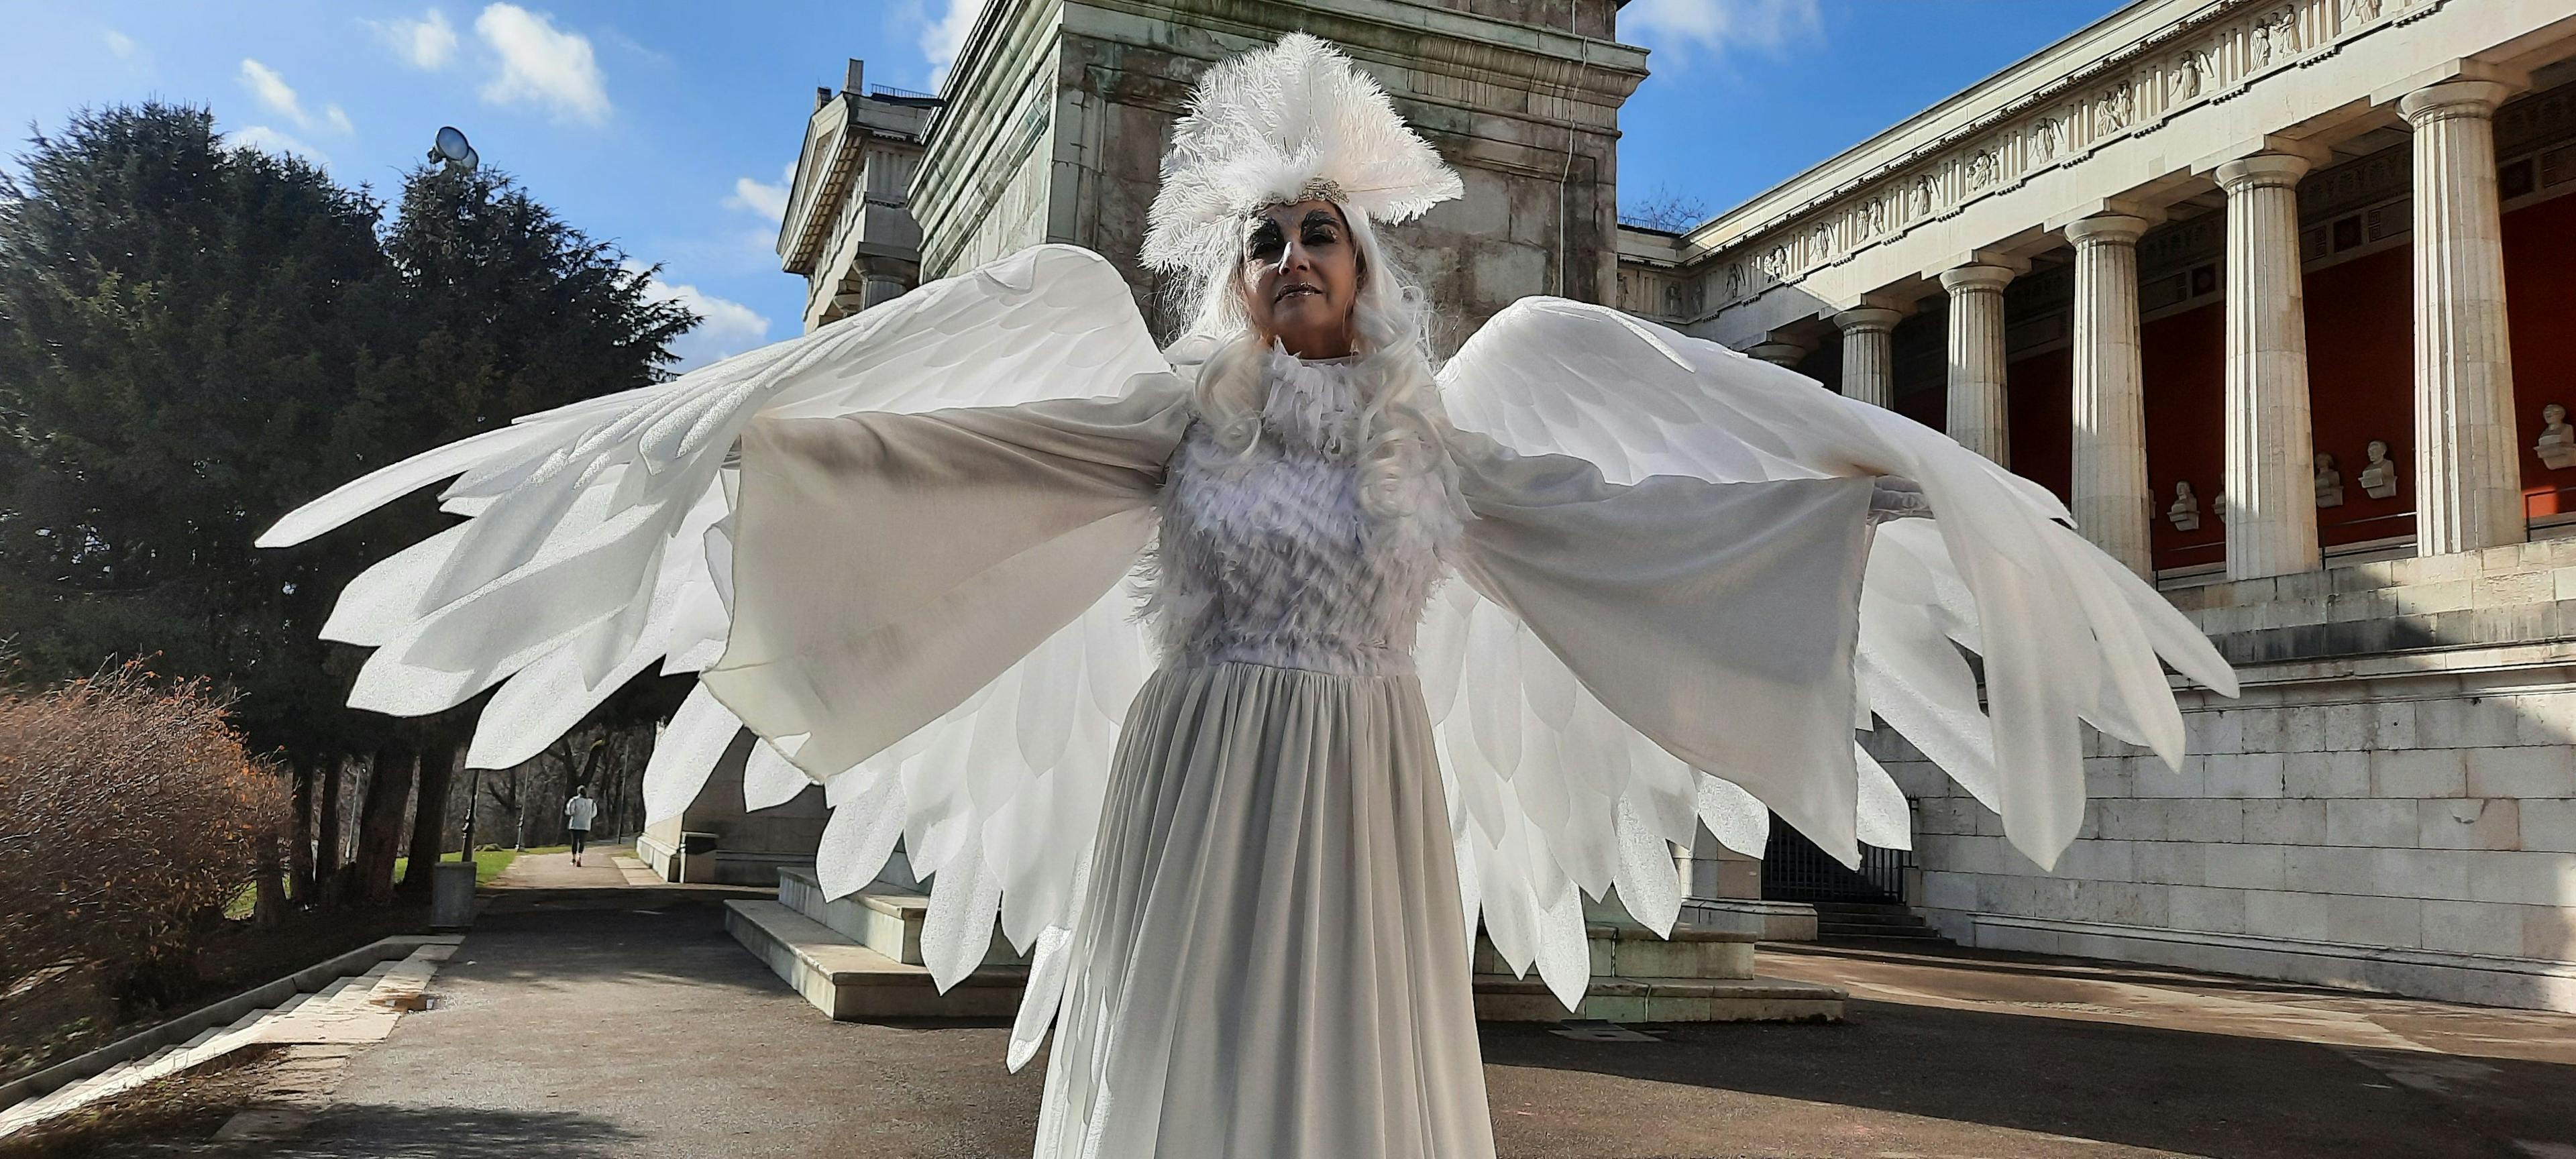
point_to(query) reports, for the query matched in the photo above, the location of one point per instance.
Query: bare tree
(1665, 210)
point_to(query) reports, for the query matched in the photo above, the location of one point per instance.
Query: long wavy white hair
(1402, 431)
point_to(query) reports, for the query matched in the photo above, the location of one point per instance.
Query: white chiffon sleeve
(887, 567)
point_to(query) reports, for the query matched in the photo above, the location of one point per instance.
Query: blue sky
(666, 127)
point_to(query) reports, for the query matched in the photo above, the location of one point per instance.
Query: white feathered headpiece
(1293, 122)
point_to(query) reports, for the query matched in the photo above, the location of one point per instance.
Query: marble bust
(2329, 481)
(2557, 445)
(2379, 476)
(2185, 511)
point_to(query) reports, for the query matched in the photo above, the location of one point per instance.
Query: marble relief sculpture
(2557, 445)
(1421, 646)
(2378, 476)
(2329, 481)
(2185, 509)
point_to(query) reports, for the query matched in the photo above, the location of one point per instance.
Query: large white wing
(600, 545)
(2064, 632)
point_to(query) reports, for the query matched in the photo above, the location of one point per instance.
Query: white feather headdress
(1293, 122)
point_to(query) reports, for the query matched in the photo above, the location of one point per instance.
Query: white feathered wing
(1550, 791)
(598, 547)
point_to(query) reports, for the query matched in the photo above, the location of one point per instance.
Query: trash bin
(451, 895)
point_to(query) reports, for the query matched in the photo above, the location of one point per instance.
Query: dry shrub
(129, 815)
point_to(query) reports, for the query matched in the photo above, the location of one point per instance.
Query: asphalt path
(623, 1021)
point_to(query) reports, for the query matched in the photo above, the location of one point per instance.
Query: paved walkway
(622, 1021)
(600, 869)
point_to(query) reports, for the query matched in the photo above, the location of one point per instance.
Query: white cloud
(120, 44)
(729, 327)
(943, 38)
(268, 140)
(1720, 26)
(272, 90)
(427, 43)
(542, 65)
(770, 201)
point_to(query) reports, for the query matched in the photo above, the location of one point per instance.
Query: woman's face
(1301, 274)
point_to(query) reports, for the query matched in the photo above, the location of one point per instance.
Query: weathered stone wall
(2392, 803)
(1060, 112)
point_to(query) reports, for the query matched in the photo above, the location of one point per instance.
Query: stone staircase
(350, 1011)
(859, 957)
(1863, 921)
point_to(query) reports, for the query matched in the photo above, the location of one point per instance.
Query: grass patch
(488, 864)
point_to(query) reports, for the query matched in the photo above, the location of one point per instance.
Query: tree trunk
(380, 826)
(326, 842)
(299, 839)
(429, 818)
(268, 901)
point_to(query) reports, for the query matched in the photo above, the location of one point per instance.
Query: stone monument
(2557, 445)
(2379, 476)
(2185, 511)
(2329, 481)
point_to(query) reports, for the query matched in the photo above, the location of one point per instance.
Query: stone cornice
(1425, 39)
(821, 184)
(2125, 75)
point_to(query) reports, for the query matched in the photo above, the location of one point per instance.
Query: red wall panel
(2039, 402)
(2184, 360)
(2540, 289)
(2361, 386)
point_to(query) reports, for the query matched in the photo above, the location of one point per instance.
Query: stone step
(1627, 950)
(1871, 918)
(884, 919)
(1503, 998)
(1841, 909)
(1774, 921)
(1879, 934)
(851, 982)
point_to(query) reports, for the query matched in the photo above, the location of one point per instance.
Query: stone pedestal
(1977, 414)
(2467, 467)
(2109, 484)
(1869, 362)
(859, 957)
(2270, 486)
(1697, 975)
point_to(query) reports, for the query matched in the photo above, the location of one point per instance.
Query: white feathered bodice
(1268, 556)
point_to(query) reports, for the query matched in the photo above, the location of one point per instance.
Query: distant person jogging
(577, 814)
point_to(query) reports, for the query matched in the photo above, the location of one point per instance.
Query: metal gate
(1793, 869)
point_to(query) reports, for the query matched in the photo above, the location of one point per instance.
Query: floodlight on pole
(452, 148)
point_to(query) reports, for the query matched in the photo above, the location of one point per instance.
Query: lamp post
(451, 904)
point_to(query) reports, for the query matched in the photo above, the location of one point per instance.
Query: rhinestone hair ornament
(1293, 122)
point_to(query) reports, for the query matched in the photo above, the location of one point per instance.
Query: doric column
(2270, 474)
(2468, 479)
(1779, 351)
(1976, 409)
(2109, 485)
(1869, 362)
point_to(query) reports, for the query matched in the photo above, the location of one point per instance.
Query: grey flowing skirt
(1271, 961)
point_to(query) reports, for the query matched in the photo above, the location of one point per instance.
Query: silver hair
(1403, 429)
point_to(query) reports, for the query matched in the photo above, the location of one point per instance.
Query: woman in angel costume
(1485, 639)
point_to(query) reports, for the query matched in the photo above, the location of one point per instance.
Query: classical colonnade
(2466, 466)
